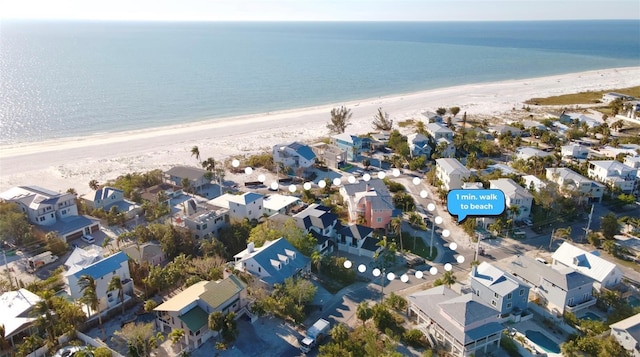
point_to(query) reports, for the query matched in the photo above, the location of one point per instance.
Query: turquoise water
(75, 78)
(634, 301)
(590, 316)
(543, 341)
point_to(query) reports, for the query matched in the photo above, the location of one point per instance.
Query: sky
(320, 10)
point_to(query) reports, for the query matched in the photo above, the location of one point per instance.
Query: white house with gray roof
(575, 151)
(499, 289)
(249, 205)
(107, 197)
(278, 203)
(570, 181)
(604, 273)
(17, 316)
(451, 173)
(528, 152)
(462, 324)
(614, 173)
(532, 182)
(294, 155)
(515, 195)
(560, 289)
(195, 176)
(627, 333)
(439, 131)
(204, 219)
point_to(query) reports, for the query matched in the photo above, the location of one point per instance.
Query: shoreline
(62, 163)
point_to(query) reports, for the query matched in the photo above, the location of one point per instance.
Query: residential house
(498, 130)
(528, 152)
(632, 161)
(163, 190)
(499, 289)
(589, 121)
(419, 145)
(17, 315)
(614, 173)
(611, 96)
(149, 252)
(278, 203)
(515, 195)
(431, 117)
(51, 211)
(295, 155)
(463, 324)
(570, 181)
(189, 310)
(102, 271)
(204, 219)
(574, 151)
(107, 197)
(439, 131)
(533, 183)
(627, 333)
(331, 155)
(445, 148)
(196, 176)
(604, 273)
(352, 144)
(558, 290)
(272, 263)
(380, 140)
(321, 222)
(369, 200)
(528, 124)
(358, 239)
(619, 150)
(451, 173)
(248, 205)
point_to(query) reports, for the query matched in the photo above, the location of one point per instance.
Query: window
(379, 219)
(259, 269)
(477, 292)
(508, 305)
(496, 295)
(204, 226)
(521, 292)
(509, 296)
(249, 211)
(493, 302)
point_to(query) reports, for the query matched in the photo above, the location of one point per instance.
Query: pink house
(371, 200)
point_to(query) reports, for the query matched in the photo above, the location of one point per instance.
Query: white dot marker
(307, 186)
(404, 278)
(396, 172)
(362, 268)
(431, 207)
(448, 267)
(351, 179)
(453, 246)
(347, 264)
(292, 188)
(381, 175)
(248, 170)
(439, 220)
(424, 194)
(446, 233)
(416, 181)
(391, 276)
(322, 184)
(460, 259)
(337, 181)
(261, 178)
(235, 163)
(419, 274)
(433, 271)
(366, 177)
(274, 185)
(376, 272)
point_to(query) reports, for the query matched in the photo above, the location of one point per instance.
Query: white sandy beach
(73, 162)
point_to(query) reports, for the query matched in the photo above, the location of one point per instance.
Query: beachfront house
(439, 131)
(588, 120)
(463, 325)
(180, 175)
(248, 205)
(451, 173)
(557, 289)
(329, 154)
(107, 197)
(611, 96)
(203, 219)
(570, 182)
(604, 273)
(499, 289)
(627, 333)
(272, 263)
(51, 211)
(574, 151)
(369, 203)
(358, 239)
(17, 318)
(352, 144)
(419, 145)
(189, 309)
(614, 174)
(515, 196)
(294, 155)
(161, 191)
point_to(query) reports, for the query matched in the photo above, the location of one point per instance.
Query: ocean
(74, 78)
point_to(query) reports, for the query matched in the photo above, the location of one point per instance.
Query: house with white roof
(515, 195)
(17, 314)
(431, 117)
(557, 289)
(331, 155)
(272, 263)
(418, 145)
(574, 151)
(278, 203)
(532, 182)
(463, 324)
(504, 292)
(627, 333)
(371, 200)
(439, 131)
(51, 211)
(294, 155)
(528, 124)
(528, 152)
(614, 173)
(319, 221)
(611, 96)
(590, 121)
(632, 161)
(203, 219)
(249, 205)
(189, 310)
(451, 173)
(352, 144)
(102, 271)
(570, 181)
(107, 197)
(604, 273)
(504, 130)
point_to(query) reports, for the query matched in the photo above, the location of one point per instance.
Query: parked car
(88, 239)
(527, 222)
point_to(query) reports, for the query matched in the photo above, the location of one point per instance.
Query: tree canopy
(339, 120)
(381, 121)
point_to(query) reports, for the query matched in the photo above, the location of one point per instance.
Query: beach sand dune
(73, 162)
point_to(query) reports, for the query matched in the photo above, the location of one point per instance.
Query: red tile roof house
(371, 200)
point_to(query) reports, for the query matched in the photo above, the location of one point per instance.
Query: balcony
(583, 305)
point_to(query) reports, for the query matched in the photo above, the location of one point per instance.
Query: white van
(89, 239)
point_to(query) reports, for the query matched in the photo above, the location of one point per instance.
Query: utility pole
(586, 230)
(553, 231)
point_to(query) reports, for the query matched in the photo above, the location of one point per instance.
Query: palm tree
(176, 335)
(4, 343)
(90, 296)
(448, 278)
(364, 312)
(396, 226)
(316, 259)
(209, 164)
(94, 185)
(195, 152)
(46, 317)
(116, 284)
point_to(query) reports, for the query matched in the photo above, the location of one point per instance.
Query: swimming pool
(543, 341)
(590, 316)
(634, 301)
